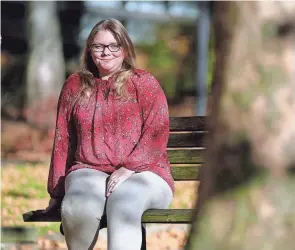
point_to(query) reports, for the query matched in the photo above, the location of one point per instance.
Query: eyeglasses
(113, 47)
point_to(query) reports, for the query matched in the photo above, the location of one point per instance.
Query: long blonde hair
(88, 70)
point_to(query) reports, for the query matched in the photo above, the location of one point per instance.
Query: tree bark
(46, 67)
(246, 198)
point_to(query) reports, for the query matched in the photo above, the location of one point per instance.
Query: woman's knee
(124, 210)
(79, 210)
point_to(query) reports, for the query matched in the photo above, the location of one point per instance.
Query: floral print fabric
(106, 132)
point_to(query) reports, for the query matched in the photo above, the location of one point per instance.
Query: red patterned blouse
(106, 132)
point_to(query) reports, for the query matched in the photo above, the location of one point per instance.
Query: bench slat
(168, 216)
(194, 123)
(191, 139)
(150, 216)
(190, 155)
(185, 173)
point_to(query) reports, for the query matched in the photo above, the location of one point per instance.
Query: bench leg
(143, 244)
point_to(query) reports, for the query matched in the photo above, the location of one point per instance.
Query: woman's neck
(105, 76)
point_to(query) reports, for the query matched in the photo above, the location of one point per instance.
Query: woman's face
(108, 60)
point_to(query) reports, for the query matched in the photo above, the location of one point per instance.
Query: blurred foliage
(172, 58)
(211, 62)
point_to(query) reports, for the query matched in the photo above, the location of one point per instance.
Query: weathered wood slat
(190, 155)
(150, 216)
(194, 123)
(168, 216)
(185, 173)
(191, 139)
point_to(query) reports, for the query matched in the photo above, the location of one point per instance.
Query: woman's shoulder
(141, 73)
(72, 83)
(73, 79)
(146, 83)
(143, 77)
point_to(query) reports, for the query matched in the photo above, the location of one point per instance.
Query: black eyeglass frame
(106, 46)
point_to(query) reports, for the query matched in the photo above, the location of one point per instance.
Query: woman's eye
(114, 46)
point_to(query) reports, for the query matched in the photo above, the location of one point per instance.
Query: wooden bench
(185, 150)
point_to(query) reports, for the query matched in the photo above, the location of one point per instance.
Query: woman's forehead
(104, 37)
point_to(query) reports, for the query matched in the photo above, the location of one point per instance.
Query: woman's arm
(64, 140)
(151, 147)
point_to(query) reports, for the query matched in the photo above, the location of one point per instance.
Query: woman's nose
(106, 51)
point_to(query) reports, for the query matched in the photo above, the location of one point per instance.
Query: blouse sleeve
(64, 141)
(150, 150)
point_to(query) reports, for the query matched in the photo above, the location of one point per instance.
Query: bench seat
(180, 216)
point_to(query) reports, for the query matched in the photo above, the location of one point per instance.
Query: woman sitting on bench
(109, 154)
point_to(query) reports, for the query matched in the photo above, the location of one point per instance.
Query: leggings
(85, 203)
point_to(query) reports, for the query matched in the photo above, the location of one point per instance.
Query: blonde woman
(109, 154)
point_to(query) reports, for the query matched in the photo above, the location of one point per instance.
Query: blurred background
(41, 46)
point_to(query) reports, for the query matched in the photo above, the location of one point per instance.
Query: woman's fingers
(110, 185)
(114, 185)
(116, 178)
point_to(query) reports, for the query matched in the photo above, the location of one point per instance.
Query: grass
(24, 189)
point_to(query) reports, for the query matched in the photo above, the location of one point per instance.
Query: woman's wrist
(57, 198)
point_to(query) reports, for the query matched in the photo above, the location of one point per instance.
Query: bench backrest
(186, 146)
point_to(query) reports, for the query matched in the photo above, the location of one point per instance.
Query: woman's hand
(54, 204)
(118, 177)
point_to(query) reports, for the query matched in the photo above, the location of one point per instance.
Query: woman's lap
(86, 188)
(85, 202)
(145, 187)
(144, 190)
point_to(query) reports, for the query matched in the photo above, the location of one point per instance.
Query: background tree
(46, 67)
(246, 197)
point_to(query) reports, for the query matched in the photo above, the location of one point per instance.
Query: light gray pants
(84, 203)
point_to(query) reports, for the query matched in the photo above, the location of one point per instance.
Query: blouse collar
(105, 82)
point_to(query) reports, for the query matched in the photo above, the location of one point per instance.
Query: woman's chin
(106, 66)
(108, 69)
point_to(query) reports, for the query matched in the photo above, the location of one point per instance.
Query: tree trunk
(46, 67)
(246, 198)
